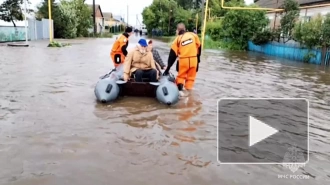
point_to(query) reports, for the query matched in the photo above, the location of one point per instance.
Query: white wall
(314, 11)
(271, 16)
(310, 12)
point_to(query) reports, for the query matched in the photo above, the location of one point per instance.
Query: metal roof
(278, 3)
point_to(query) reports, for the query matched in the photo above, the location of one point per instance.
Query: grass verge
(101, 35)
(55, 44)
(104, 35)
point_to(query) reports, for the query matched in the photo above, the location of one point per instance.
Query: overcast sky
(119, 7)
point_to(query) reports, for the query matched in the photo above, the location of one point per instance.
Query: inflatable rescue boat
(111, 86)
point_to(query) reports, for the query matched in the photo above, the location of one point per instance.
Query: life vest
(119, 43)
(187, 45)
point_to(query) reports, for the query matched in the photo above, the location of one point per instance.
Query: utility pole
(136, 22)
(94, 18)
(127, 15)
(275, 16)
(204, 22)
(26, 35)
(50, 21)
(203, 6)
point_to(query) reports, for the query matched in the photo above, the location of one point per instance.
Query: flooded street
(52, 131)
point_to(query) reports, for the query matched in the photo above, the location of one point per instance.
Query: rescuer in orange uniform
(187, 48)
(119, 48)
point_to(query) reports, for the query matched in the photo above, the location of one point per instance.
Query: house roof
(278, 3)
(117, 18)
(97, 6)
(107, 14)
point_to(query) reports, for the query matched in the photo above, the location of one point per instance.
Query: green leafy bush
(313, 34)
(239, 26)
(262, 37)
(165, 14)
(55, 44)
(309, 33)
(214, 29)
(72, 18)
(308, 57)
(105, 35)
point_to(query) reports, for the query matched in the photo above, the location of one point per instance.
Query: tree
(197, 4)
(186, 4)
(214, 30)
(42, 9)
(326, 30)
(239, 26)
(313, 34)
(309, 33)
(189, 4)
(59, 24)
(216, 9)
(289, 17)
(10, 11)
(71, 18)
(84, 20)
(285, 31)
(166, 13)
(69, 15)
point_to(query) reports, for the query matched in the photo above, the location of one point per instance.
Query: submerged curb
(18, 45)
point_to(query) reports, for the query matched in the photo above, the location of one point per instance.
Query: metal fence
(292, 51)
(37, 30)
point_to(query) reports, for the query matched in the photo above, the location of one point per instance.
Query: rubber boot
(180, 87)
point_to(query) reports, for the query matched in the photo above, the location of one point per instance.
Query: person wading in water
(187, 48)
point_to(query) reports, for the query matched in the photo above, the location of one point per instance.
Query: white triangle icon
(259, 131)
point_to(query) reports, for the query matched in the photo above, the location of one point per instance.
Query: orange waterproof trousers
(187, 69)
(117, 58)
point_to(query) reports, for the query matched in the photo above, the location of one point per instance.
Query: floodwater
(52, 132)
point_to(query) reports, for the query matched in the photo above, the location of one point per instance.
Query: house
(99, 18)
(308, 9)
(118, 20)
(107, 18)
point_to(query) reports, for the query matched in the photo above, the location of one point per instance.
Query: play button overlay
(259, 131)
(263, 131)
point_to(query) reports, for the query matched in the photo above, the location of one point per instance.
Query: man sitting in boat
(156, 55)
(140, 64)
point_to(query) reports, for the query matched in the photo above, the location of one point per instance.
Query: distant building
(107, 18)
(305, 13)
(99, 18)
(119, 20)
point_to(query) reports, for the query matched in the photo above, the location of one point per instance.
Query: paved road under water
(52, 132)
